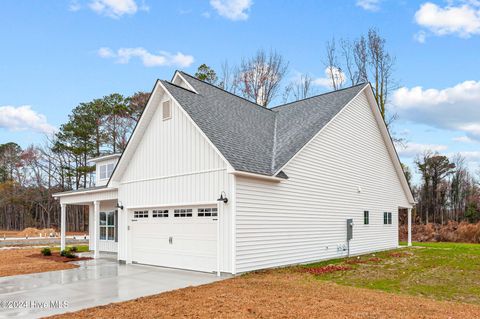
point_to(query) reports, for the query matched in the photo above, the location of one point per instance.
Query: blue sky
(56, 54)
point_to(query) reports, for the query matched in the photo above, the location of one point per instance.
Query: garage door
(183, 237)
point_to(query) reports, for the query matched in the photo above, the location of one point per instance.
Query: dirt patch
(278, 294)
(56, 257)
(18, 262)
(34, 232)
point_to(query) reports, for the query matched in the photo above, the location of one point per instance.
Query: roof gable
(254, 138)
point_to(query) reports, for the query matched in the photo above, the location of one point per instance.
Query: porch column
(409, 227)
(63, 214)
(96, 216)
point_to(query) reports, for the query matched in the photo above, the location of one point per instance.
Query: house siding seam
(303, 219)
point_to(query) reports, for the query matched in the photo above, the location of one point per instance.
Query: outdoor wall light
(223, 197)
(119, 205)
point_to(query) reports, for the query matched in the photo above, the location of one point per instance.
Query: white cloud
(420, 36)
(116, 8)
(461, 18)
(74, 6)
(232, 9)
(326, 81)
(369, 5)
(454, 108)
(23, 118)
(463, 139)
(124, 55)
(412, 149)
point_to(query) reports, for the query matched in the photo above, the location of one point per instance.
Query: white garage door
(183, 238)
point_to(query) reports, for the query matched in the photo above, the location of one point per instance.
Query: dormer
(104, 166)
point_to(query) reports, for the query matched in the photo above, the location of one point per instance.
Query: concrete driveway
(96, 282)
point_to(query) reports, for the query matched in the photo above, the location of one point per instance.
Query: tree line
(29, 177)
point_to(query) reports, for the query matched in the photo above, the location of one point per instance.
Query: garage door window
(184, 212)
(140, 214)
(159, 213)
(207, 212)
(107, 225)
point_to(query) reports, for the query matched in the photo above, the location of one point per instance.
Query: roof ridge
(177, 86)
(318, 95)
(274, 146)
(223, 90)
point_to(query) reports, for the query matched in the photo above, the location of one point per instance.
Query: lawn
(442, 271)
(425, 281)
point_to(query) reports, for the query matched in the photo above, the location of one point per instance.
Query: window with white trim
(159, 213)
(166, 110)
(207, 212)
(106, 170)
(366, 217)
(107, 225)
(140, 214)
(182, 212)
(387, 218)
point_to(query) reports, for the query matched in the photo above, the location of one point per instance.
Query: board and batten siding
(343, 171)
(174, 165)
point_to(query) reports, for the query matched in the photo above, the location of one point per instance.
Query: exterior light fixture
(223, 197)
(119, 205)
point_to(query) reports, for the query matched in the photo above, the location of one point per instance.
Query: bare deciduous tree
(299, 89)
(260, 76)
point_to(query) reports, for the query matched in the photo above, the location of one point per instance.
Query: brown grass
(18, 262)
(278, 294)
(462, 232)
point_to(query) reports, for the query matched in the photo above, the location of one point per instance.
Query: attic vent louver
(167, 110)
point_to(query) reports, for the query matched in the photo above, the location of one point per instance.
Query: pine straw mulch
(279, 294)
(20, 262)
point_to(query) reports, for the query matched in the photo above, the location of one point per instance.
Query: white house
(212, 182)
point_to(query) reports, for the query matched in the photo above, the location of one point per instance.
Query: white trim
(319, 132)
(174, 175)
(104, 158)
(65, 194)
(258, 176)
(173, 205)
(220, 213)
(234, 224)
(177, 73)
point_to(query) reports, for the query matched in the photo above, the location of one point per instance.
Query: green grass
(80, 248)
(443, 271)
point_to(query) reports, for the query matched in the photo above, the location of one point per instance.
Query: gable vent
(167, 110)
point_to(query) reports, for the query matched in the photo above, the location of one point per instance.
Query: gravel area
(18, 262)
(279, 294)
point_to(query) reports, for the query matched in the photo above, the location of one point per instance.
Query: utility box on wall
(349, 229)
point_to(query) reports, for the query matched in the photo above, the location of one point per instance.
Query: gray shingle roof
(253, 138)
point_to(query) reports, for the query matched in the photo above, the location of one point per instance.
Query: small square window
(182, 212)
(160, 213)
(166, 110)
(140, 214)
(366, 217)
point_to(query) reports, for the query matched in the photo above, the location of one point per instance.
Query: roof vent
(167, 110)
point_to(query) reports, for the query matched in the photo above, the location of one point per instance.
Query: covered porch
(102, 217)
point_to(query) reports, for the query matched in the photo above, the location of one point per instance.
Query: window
(140, 214)
(207, 212)
(159, 213)
(387, 218)
(107, 226)
(166, 110)
(106, 170)
(366, 217)
(182, 212)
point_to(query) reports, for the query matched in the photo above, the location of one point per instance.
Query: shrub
(46, 251)
(67, 253)
(74, 249)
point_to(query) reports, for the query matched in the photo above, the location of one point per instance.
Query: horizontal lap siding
(304, 218)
